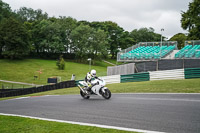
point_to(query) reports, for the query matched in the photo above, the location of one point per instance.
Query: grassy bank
(25, 70)
(12, 124)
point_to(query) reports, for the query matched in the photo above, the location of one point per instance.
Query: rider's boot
(88, 90)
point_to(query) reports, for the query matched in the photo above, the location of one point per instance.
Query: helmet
(93, 73)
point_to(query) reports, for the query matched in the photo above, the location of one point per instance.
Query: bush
(61, 63)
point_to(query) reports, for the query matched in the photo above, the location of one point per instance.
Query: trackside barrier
(111, 79)
(192, 73)
(186, 73)
(135, 77)
(18, 92)
(77, 81)
(167, 74)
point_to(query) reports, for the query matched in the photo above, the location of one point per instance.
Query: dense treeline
(32, 32)
(29, 32)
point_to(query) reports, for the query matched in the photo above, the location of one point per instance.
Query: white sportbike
(97, 88)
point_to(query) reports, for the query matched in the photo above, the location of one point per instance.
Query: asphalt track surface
(175, 113)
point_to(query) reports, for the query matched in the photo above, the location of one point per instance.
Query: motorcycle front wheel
(107, 94)
(84, 95)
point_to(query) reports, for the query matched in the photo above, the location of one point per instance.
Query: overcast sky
(129, 14)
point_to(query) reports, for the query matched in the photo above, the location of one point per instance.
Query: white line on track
(17, 98)
(31, 97)
(166, 99)
(159, 93)
(84, 124)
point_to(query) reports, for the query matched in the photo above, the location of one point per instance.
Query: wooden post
(39, 72)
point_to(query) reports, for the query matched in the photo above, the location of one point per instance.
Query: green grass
(159, 86)
(164, 86)
(13, 124)
(24, 70)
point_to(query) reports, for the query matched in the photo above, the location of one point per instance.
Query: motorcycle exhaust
(81, 89)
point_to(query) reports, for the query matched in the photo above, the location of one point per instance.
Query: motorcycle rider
(89, 77)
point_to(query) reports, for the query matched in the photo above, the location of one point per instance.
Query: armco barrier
(192, 73)
(77, 81)
(154, 75)
(17, 92)
(111, 79)
(135, 77)
(167, 74)
(108, 79)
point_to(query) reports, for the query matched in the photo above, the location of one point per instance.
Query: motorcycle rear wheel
(84, 95)
(107, 94)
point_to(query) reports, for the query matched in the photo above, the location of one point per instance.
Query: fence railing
(192, 42)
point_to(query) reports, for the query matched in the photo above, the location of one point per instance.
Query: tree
(180, 38)
(48, 37)
(31, 19)
(31, 15)
(114, 34)
(191, 20)
(61, 63)
(99, 43)
(145, 35)
(89, 42)
(14, 38)
(5, 10)
(81, 39)
(126, 40)
(67, 24)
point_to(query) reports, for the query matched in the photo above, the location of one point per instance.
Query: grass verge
(159, 86)
(13, 124)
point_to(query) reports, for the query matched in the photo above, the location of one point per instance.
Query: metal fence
(167, 65)
(164, 43)
(192, 42)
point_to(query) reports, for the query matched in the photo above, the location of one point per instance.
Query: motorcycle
(97, 88)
